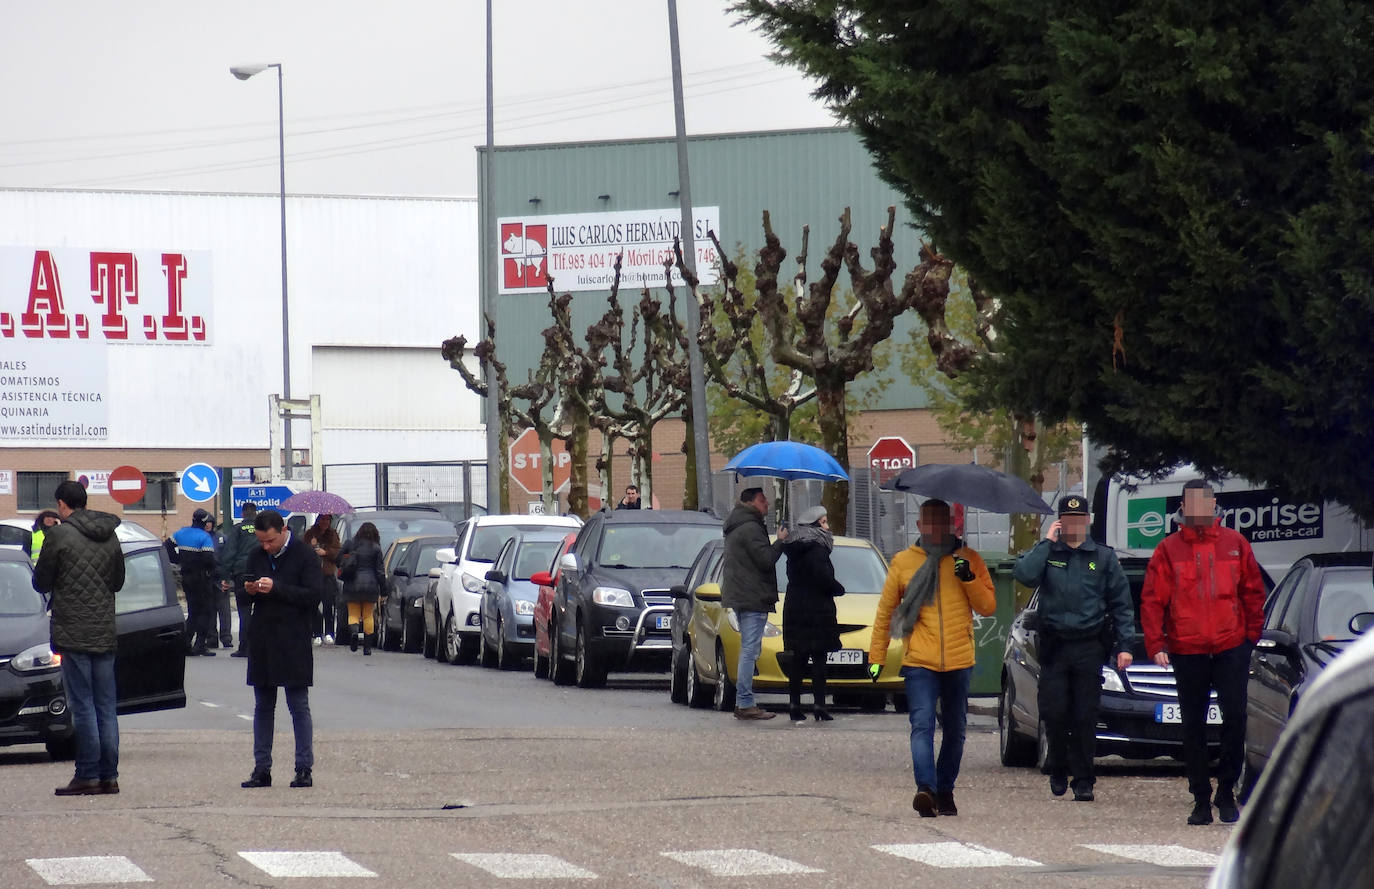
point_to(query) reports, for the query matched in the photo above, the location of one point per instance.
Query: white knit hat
(811, 516)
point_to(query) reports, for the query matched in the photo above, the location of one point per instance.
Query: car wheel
(408, 636)
(1249, 777)
(453, 642)
(62, 750)
(381, 631)
(724, 697)
(1042, 748)
(590, 672)
(677, 676)
(1014, 749)
(873, 703)
(698, 694)
(430, 646)
(467, 649)
(899, 702)
(505, 658)
(541, 665)
(559, 669)
(486, 653)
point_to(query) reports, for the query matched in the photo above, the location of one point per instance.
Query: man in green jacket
(239, 541)
(750, 587)
(82, 567)
(1084, 605)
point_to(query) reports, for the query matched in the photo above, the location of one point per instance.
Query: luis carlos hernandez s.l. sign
(579, 250)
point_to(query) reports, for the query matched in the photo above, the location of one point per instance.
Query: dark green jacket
(1080, 589)
(750, 575)
(82, 567)
(239, 541)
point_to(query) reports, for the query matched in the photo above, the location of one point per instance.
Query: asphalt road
(432, 775)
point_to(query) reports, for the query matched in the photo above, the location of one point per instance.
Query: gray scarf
(921, 589)
(812, 534)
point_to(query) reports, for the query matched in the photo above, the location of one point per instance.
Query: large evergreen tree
(1173, 201)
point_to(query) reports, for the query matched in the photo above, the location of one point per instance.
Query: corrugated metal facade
(801, 177)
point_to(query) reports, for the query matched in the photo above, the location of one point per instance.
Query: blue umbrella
(791, 460)
(971, 485)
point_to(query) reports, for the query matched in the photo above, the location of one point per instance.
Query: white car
(463, 576)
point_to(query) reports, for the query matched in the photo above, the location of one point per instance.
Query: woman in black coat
(364, 582)
(809, 626)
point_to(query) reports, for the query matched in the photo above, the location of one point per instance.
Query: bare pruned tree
(453, 350)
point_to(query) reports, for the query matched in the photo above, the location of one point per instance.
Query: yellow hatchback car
(706, 637)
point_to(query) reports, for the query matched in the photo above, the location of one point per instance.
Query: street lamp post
(243, 72)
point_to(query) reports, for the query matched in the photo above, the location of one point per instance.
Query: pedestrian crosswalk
(725, 863)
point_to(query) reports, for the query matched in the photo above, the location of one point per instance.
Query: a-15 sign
(118, 281)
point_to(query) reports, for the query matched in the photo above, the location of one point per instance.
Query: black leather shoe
(303, 779)
(239, 653)
(1202, 812)
(79, 787)
(822, 715)
(207, 653)
(924, 803)
(1059, 785)
(944, 803)
(1227, 810)
(258, 779)
(796, 714)
(1083, 794)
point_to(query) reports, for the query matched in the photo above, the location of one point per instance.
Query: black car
(393, 523)
(1322, 604)
(612, 609)
(401, 620)
(1310, 820)
(1138, 717)
(149, 666)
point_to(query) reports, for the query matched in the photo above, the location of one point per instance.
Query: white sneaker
(328, 639)
(316, 641)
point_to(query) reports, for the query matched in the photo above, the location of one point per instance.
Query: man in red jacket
(1202, 608)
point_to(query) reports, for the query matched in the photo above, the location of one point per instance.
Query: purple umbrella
(317, 502)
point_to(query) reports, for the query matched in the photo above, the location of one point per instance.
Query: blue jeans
(923, 688)
(264, 721)
(751, 624)
(89, 683)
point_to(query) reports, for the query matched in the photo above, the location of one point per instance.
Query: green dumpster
(990, 633)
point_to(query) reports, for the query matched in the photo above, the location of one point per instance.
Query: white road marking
(245, 716)
(306, 864)
(740, 863)
(208, 704)
(516, 866)
(1162, 855)
(955, 855)
(88, 869)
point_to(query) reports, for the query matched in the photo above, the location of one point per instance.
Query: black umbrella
(972, 485)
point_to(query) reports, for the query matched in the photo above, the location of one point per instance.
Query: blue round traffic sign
(199, 482)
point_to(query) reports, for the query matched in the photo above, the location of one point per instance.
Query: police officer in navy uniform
(1084, 606)
(196, 553)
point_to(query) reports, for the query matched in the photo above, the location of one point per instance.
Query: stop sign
(127, 485)
(889, 456)
(525, 463)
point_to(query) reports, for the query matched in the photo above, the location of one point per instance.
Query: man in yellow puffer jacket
(932, 589)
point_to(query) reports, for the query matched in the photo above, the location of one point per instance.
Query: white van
(1141, 513)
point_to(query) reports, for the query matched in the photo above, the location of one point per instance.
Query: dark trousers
(329, 592)
(225, 612)
(1197, 676)
(244, 603)
(264, 721)
(818, 675)
(1070, 689)
(200, 616)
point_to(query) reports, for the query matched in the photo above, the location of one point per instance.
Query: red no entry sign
(127, 485)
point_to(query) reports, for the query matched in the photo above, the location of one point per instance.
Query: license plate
(663, 621)
(1172, 713)
(852, 656)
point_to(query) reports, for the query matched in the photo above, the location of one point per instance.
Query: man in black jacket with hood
(81, 567)
(750, 587)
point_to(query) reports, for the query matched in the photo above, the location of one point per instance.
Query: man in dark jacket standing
(1202, 608)
(199, 577)
(750, 587)
(239, 541)
(82, 567)
(1084, 598)
(286, 591)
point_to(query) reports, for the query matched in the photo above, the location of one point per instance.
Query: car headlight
(417, 602)
(609, 595)
(524, 608)
(472, 584)
(769, 628)
(731, 619)
(1111, 680)
(32, 660)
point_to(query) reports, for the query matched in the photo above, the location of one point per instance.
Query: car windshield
(859, 569)
(17, 598)
(654, 545)
(534, 556)
(390, 529)
(487, 540)
(1345, 593)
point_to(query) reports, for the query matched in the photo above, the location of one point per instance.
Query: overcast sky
(380, 97)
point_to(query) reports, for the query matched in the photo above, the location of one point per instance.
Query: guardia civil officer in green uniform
(1085, 614)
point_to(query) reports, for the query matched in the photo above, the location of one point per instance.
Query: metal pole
(700, 439)
(488, 290)
(285, 312)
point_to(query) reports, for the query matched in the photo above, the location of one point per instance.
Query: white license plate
(1173, 713)
(845, 656)
(662, 621)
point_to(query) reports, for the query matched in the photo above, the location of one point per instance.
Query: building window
(36, 489)
(160, 495)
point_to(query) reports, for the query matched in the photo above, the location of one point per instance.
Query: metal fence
(396, 484)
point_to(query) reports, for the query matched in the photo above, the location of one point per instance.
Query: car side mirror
(679, 591)
(569, 563)
(1277, 641)
(496, 576)
(1361, 622)
(436, 572)
(541, 578)
(445, 555)
(707, 595)
(401, 572)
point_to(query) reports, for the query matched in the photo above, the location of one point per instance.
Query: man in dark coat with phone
(285, 589)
